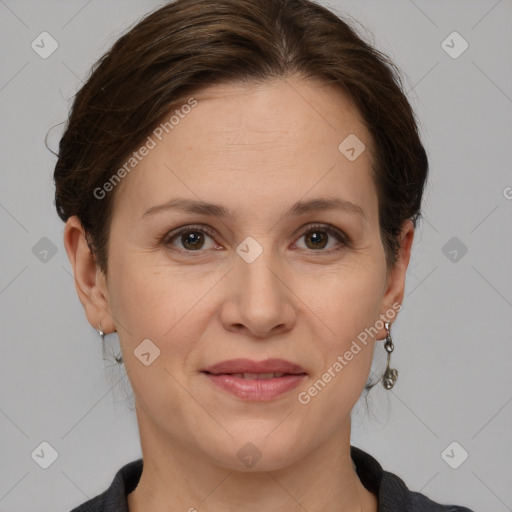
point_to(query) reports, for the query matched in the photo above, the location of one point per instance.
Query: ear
(395, 286)
(90, 282)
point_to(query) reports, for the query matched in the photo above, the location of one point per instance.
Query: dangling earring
(119, 358)
(390, 375)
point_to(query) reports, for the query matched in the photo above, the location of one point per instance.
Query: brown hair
(189, 44)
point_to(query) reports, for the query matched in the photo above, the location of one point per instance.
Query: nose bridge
(253, 268)
(258, 285)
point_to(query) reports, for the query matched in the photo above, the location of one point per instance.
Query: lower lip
(256, 390)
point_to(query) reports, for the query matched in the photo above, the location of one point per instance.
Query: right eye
(192, 238)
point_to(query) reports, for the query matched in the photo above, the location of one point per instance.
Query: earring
(101, 333)
(119, 358)
(390, 375)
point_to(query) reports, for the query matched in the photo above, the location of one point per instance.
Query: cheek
(349, 299)
(345, 342)
(138, 300)
(347, 310)
(160, 303)
(149, 304)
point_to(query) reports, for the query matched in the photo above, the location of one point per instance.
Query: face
(271, 273)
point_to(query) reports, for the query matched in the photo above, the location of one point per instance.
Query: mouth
(269, 368)
(257, 376)
(256, 381)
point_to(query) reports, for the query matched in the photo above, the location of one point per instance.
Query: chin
(252, 454)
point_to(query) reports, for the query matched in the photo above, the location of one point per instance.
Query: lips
(249, 369)
(257, 376)
(256, 380)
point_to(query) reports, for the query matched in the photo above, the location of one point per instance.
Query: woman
(240, 182)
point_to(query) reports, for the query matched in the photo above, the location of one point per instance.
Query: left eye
(193, 237)
(317, 235)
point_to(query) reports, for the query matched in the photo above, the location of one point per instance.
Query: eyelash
(328, 228)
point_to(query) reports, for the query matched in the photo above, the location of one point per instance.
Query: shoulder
(114, 498)
(393, 494)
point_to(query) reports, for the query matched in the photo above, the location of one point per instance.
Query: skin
(255, 149)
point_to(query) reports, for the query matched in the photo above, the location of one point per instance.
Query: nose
(259, 297)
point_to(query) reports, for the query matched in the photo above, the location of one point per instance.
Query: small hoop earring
(119, 358)
(101, 333)
(390, 375)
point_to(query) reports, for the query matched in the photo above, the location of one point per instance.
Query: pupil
(192, 237)
(317, 237)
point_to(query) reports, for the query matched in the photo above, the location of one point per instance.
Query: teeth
(258, 376)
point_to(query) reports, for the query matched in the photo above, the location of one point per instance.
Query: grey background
(453, 346)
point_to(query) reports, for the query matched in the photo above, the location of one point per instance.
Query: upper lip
(250, 366)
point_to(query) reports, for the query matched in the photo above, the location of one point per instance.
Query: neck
(177, 478)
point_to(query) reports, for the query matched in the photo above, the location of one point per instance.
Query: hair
(188, 45)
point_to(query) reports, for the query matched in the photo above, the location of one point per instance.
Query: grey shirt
(393, 494)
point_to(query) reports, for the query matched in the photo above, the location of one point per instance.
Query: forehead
(255, 144)
(285, 108)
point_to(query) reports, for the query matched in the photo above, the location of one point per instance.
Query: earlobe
(90, 281)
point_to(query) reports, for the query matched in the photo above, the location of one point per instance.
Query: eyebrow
(299, 208)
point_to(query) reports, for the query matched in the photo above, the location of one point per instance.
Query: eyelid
(332, 230)
(340, 235)
(189, 227)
